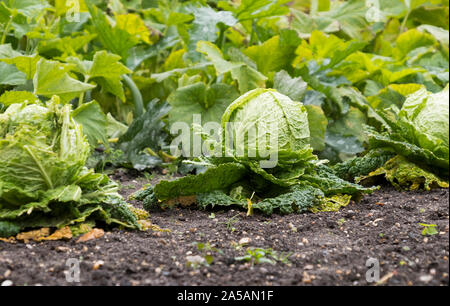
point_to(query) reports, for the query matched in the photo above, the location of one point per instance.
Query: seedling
(259, 255)
(229, 223)
(206, 251)
(428, 229)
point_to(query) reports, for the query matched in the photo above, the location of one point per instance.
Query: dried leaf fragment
(93, 234)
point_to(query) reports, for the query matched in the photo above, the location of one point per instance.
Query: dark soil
(324, 248)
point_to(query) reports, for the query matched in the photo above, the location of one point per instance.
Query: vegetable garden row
(261, 106)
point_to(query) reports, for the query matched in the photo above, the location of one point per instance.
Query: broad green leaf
(11, 97)
(361, 166)
(432, 15)
(439, 33)
(348, 17)
(294, 88)
(322, 46)
(412, 39)
(25, 63)
(146, 132)
(344, 146)
(177, 18)
(274, 54)
(68, 45)
(214, 54)
(349, 124)
(330, 184)
(93, 121)
(198, 99)
(9, 75)
(218, 177)
(52, 78)
(106, 69)
(204, 27)
(6, 51)
(29, 8)
(317, 126)
(115, 39)
(248, 78)
(114, 129)
(256, 9)
(297, 199)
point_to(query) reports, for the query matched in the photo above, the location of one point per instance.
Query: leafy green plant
(230, 223)
(261, 256)
(415, 141)
(296, 182)
(131, 69)
(429, 229)
(43, 178)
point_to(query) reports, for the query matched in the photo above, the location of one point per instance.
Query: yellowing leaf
(62, 233)
(34, 235)
(63, 6)
(405, 175)
(406, 89)
(134, 25)
(333, 203)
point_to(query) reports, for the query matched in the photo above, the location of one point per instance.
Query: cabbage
(41, 148)
(43, 178)
(419, 130)
(416, 144)
(427, 116)
(269, 133)
(268, 113)
(295, 181)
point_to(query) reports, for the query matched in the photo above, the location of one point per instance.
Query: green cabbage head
(264, 121)
(269, 133)
(426, 116)
(41, 148)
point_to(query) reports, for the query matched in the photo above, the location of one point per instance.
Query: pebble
(426, 278)
(197, 259)
(7, 283)
(97, 264)
(244, 241)
(62, 249)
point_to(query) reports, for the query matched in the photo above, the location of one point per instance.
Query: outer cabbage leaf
(405, 175)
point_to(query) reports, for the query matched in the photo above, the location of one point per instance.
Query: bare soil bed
(325, 248)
